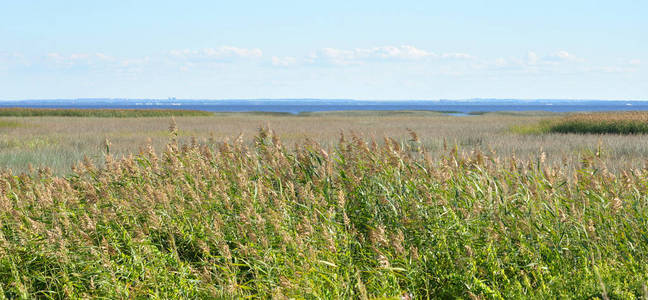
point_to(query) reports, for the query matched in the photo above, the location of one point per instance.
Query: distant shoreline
(299, 106)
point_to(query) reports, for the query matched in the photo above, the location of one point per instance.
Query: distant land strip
(101, 113)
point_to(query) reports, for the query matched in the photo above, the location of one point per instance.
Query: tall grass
(9, 124)
(363, 219)
(101, 113)
(70, 138)
(635, 122)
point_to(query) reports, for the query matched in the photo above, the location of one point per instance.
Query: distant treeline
(101, 113)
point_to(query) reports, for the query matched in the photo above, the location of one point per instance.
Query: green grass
(9, 124)
(360, 220)
(101, 113)
(541, 127)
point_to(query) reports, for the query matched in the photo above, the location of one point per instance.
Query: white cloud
(457, 56)
(135, 62)
(100, 63)
(536, 63)
(224, 52)
(78, 58)
(560, 62)
(208, 58)
(187, 59)
(284, 61)
(358, 55)
(383, 53)
(338, 56)
(425, 62)
(562, 56)
(402, 52)
(532, 58)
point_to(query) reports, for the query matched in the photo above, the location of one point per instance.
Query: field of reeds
(627, 123)
(60, 142)
(99, 113)
(360, 218)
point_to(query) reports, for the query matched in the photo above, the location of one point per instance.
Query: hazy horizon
(326, 99)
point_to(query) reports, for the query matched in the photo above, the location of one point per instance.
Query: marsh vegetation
(99, 113)
(59, 142)
(326, 206)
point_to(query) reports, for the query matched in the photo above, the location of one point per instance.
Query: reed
(59, 142)
(602, 123)
(357, 219)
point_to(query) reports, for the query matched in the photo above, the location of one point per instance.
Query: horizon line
(318, 99)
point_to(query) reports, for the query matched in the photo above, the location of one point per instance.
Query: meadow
(333, 205)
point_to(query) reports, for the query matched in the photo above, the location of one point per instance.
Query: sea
(297, 106)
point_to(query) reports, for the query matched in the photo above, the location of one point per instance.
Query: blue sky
(328, 49)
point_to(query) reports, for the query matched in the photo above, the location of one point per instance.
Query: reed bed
(360, 219)
(635, 122)
(59, 142)
(100, 113)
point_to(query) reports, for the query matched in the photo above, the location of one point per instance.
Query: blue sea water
(296, 106)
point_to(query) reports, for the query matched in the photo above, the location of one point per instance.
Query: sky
(324, 49)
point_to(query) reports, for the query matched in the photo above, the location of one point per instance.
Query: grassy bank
(358, 220)
(100, 113)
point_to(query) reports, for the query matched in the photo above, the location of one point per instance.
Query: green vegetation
(101, 113)
(9, 124)
(59, 142)
(540, 127)
(625, 123)
(359, 220)
(598, 127)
